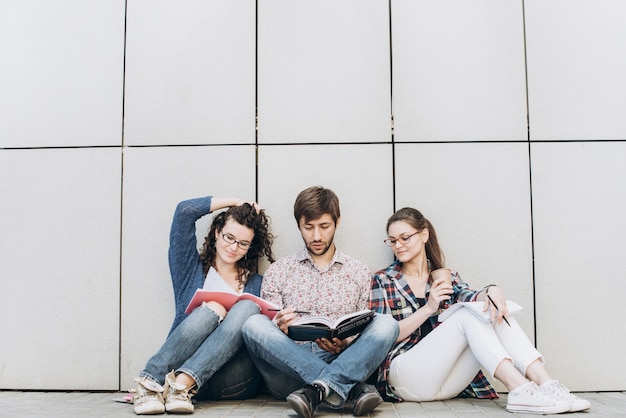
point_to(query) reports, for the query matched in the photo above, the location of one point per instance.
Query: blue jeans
(286, 365)
(200, 346)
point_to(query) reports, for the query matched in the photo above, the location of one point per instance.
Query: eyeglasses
(403, 239)
(244, 245)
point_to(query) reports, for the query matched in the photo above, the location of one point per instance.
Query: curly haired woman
(204, 355)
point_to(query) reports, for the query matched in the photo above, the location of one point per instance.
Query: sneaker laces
(537, 394)
(147, 391)
(179, 393)
(320, 392)
(557, 391)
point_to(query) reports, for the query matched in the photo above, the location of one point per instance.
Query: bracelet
(486, 288)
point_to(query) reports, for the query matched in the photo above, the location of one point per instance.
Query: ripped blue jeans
(212, 353)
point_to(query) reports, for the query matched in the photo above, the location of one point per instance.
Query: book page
(314, 320)
(325, 321)
(309, 329)
(477, 309)
(346, 318)
(227, 300)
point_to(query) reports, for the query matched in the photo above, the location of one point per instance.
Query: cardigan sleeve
(184, 260)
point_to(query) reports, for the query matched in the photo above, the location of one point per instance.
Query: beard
(319, 251)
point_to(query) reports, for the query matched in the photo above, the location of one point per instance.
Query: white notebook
(477, 309)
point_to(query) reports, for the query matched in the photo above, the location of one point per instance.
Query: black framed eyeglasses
(244, 245)
(405, 239)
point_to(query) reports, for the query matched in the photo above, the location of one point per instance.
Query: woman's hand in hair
(218, 203)
(255, 205)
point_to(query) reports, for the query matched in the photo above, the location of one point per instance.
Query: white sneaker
(528, 398)
(557, 391)
(148, 397)
(177, 396)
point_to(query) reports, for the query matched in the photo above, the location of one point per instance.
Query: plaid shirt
(390, 294)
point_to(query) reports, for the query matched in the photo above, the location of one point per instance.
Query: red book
(227, 300)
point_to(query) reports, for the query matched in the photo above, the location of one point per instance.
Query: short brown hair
(315, 201)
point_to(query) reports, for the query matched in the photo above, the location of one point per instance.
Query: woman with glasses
(434, 360)
(204, 355)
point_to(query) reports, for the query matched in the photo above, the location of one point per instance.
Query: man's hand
(284, 317)
(335, 346)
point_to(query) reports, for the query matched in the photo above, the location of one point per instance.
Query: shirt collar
(394, 271)
(338, 257)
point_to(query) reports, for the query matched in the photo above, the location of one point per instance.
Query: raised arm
(218, 203)
(183, 250)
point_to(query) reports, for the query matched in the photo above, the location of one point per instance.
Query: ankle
(184, 379)
(546, 383)
(520, 388)
(323, 388)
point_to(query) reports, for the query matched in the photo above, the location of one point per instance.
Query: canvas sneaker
(557, 391)
(366, 398)
(306, 399)
(148, 397)
(177, 396)
(529, 399)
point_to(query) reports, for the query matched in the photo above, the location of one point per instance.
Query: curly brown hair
(261, 244)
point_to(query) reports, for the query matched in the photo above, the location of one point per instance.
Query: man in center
(321, 281)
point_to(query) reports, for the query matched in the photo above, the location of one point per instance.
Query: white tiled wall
(190, 72)
(324, 73)
(580, 237)
(86, 205)
(458, 70)
(61, 74)
(60, 258)
(576, 67)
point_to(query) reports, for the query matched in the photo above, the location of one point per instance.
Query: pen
(277, 310)
(498, 310)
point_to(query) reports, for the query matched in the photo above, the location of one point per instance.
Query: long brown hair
(415, 218)
(261, 244)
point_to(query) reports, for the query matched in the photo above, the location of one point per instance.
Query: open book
(477, 309)
(227, 300)
(314, 327)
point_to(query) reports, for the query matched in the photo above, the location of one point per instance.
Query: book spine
(352, 328)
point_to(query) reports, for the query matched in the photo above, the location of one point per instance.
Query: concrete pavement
(59, 404)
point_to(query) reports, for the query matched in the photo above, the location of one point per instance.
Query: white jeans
(442, 364)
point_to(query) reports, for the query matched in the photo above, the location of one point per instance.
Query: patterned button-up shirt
(340, 288)
(390, 294)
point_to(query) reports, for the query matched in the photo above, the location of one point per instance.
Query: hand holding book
(228, 299)
(477, 308)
